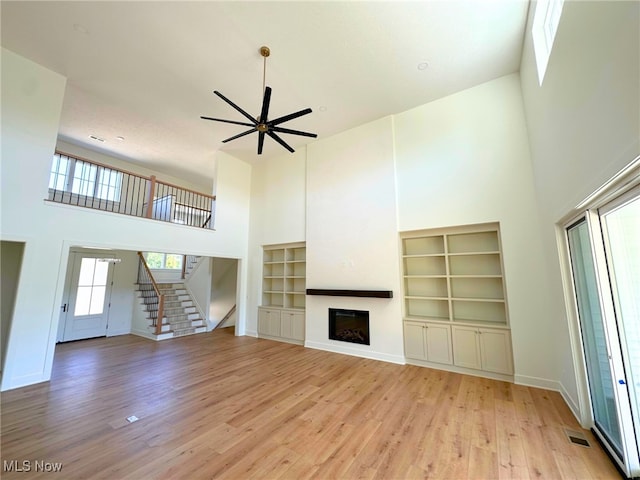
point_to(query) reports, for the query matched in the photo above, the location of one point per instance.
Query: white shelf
(455, 275)
(284, 276)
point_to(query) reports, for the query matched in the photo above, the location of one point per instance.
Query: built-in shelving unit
(453, 280)
(454, 277)
(284, 276)
(281, 315)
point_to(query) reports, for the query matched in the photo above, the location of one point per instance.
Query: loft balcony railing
(85, 183)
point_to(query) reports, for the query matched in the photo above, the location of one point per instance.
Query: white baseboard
(329, 347)
(24, 381)
(537, 382)
(115, 333)
(555, 386)
(573, 406)
(141, 333)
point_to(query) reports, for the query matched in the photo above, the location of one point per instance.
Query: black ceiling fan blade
(280, 141)
(240, 135)
(293, 132)
(228, 121)
(291, 116)
(265, 105)
(253, 120)
(260, 142)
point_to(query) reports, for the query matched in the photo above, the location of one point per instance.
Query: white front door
(87, 292)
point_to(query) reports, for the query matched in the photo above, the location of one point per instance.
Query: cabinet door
(438, 342)
(269, 322)
(495, 351)
(414, 343)
(466, 348)
(293, 325)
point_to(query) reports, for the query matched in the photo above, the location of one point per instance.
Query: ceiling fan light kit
(262, 124)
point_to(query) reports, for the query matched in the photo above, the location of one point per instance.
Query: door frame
(590, 212)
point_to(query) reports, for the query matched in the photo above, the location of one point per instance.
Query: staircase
(180, 318)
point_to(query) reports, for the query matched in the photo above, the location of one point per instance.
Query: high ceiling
(146, 71)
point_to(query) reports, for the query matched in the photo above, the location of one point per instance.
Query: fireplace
(349, 325)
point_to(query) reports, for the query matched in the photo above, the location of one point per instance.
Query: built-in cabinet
(281, 316)
(279, 324)
(454, 299)
(487, 349)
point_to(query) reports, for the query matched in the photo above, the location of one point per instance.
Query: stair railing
(150, 293)
(187, 263)
(110, 189)
(226, 317)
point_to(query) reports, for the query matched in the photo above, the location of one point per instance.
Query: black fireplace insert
(349, 325)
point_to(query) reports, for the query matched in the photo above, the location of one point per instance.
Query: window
(75, 176)
(545, 26)
(163, 261)
(92, 287)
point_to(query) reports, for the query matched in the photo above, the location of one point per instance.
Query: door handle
(64, 308)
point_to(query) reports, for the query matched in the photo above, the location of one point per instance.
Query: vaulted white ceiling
(146, 71)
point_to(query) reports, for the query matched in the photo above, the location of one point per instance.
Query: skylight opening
(545, 25)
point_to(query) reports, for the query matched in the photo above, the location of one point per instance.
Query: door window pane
(92, 283)
(87, 267)
(83, 301)
(97, 300)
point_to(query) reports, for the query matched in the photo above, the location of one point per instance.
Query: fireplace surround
(349, 326)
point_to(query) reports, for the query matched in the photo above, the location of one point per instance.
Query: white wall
(224, 279)
(198, 283)
(10, 263)
(463, 160)
(584, 126)
(278, 203)
(352, 240)
(32, 98)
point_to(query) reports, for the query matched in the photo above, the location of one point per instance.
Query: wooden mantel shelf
(351, 293)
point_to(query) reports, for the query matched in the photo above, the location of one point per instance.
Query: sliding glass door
(594, 336)
(604, 248)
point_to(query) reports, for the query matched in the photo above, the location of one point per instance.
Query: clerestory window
(545, 25)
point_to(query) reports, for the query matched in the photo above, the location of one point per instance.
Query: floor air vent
(578, 438)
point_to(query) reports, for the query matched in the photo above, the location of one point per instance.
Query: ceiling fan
(262, 124)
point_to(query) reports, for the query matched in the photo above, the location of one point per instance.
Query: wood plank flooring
(219, 406)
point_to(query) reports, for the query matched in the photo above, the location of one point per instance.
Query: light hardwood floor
(219, 406)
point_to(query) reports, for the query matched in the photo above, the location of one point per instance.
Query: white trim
(328, 347)
(537, 382)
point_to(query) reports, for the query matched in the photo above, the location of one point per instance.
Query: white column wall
(278, 203)
(352, 240)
